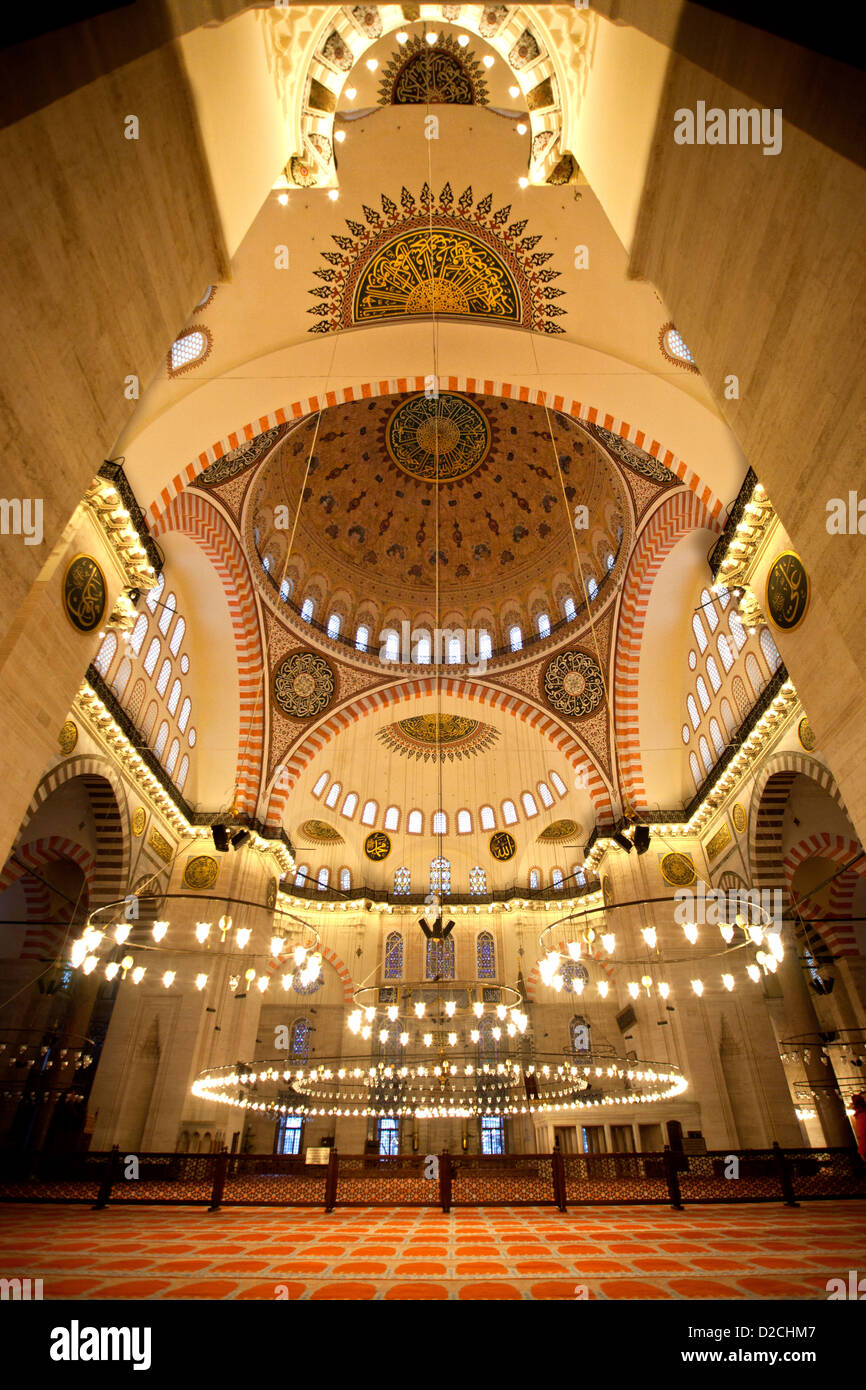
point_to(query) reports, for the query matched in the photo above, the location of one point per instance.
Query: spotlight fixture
(437, 932)
(641, 838)
(220, 838)
(623, 841)
(239, 838)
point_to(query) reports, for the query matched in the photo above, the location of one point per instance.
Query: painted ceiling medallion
(438, 440)
(303, 685)
(437, 255)
(322, 832)
(561, 830)
(421, 74)
(201, 872)
(502, 845)
(451, 736)
(787, 591)
(139, 820)
(677, 869)
(573, 684)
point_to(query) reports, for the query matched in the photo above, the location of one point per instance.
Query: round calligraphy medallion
(502, 845)
(806, 735)
(377, 846)
(84, 593)
(442, 439)
(200, 872)
(68, 737)
(787, 591)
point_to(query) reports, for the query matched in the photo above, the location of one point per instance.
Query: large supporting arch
(107, 795)
(839, 937)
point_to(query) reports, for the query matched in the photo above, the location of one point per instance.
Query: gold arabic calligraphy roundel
(445, 439)
(84, 593)
(573, 684)
(503, 845)
(377, 846)
(787, 591)
(201, 872)
(303, 685)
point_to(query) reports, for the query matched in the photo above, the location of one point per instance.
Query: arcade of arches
(405, 553)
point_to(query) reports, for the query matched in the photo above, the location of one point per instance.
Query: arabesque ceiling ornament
(573, 684)
(561, 830)
(201, 872)
(634, 458)
(438, 439)
(303, 685)
(420, 74)
(240, 459)
(437, 256)
(677, 869)
(426, 736)
(320, 831)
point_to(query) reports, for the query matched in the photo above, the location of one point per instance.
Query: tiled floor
(748, 1252)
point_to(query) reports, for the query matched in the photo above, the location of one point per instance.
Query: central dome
(398, 504)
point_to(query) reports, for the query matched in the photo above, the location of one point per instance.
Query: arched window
(183, 717)
(188, 350)
(334, 625)
(716, 736)
(455, 651)
(579, 1034)
(182, 772)
(266, 564)
(350, 805)
(392, 818)
(307, 610)
(368, 815)
(534, 878)
(285, 589)
(162, 736)
(174, 697)
(571, 971)
(488, 818)
(740, 698)
(136, 637)
(556, 879)
(333, 794)
(673, 346)
(440, 959)
(394, 955)
(724, 650)
(162, 680)
(558, 783)
(172, 756)
(402, 880)
(320, 784)
(515, 638)
(485, 956)
(705, 754)
(301, 876)
(695, 770)
(149, 720)
(136, 700)
(713, 673)
(345, 880)
(477, 880)
(610, 562)
(709, 608)
(543, 623)
(529, 805)
(152, 656)
(423, 650)
(440, 823)
(753, 671)
(362, 638)
(105, 655)
(485, 645)
(154, 595)
(322, 880)
(464, 823)
(724, 597)
(578, 875)
(738, 632)
(687, 733)
(301, 1030)
(592, 587)
(728, 718)
(440, 876)
(509, 813)
(184, 664)
(770, 650)
(703, 693)
(415, 823)
(568, 608)
(121, 677)
(167, 614)
(700, 635)
(392, 646)
(545, 793)
(693, 711)
(693, 659)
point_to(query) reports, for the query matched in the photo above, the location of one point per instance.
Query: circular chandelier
(414, 1087)
(423, 1011)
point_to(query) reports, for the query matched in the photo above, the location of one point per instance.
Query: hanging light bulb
(496, 1033)
(111, 969)
(634, 989)
(138, 974)
(78, 952)
(574, 950)
(450, 1006)
(159, 930)
(691, 932)
(578, 985)
(727, 932)
(698, 987)
(126, 964)
(121, 932)
(753, 973)
(202, 931)
(646, 981)
(90, 964)
(650, 937)
(262, 983)
(603, 988)
(478, 1009)
(427, 1039)
(420, 1009)
(366, 1032)
(452, 1039)
(383, 1035)
(369, 1013)
(664, 989)
(511, 1029)
(354, 1021)
(225, 926)
(249, 975)
(774, 941)
(287, 981)
(299, 955)
(200, 981)
(501, 1011)
(475, 1035)
(608, 941)
(404, 1038)
(168, 978)
(557, 983)
(242, 936)
(392, 1012)
(728, 981)
(276, 947)
(756, 932)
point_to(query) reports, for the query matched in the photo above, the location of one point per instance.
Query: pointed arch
(108, 800)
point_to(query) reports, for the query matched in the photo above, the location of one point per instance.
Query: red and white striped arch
(332, 958)
(533, 979)
(481, 386)
(43, 937)
(108, 800)
(679, 515)
(838, 936)
(384, 697)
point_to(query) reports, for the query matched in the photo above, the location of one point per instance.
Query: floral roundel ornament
(303, 685)
(573, 684)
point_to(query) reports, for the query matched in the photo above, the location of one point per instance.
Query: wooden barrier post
(445, 1180)
(331, 1181)
(783, 1169)
(221, 1168)
(558, 1166)
(670, 1159)
(110, 1173)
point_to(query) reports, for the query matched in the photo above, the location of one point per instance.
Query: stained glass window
(440, 876)
(368, 815)
(728, 717)
(485, 955)
(322, 880)
(492, 1134)
(753, 671)
(710, 613)
(592, 587)
(440, 959)
(485, 646)
(301, 876)
(334, 625)
(770, 650)
(394, 955)
(155, 594)
(174, 697)
(172, 757)
(182, 772)
(345, 880)
(392, 646)
(477, 880)
(568, 608)
(724, 649)
(290, 1130)
(333, 794)
(307, 610)
(692, 707)
(738, 632)
(389, 1136)
(320, 783)
(515, 638)
(543, 625)
(716, 736)
(713, 673)
(165, 672)
(121, 676)
(534, 878)
(440, 823)
(188, 349)
(152, 656)
(301, 1039)
(556, 879)
(362, 637)
(161, 738)
(402, 880)
(705, 754)
(703, 693)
